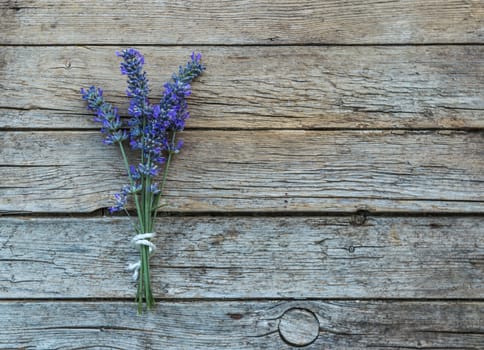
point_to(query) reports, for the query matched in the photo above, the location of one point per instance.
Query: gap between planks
(194, 44)
(469, 129)
(357, 215)
(248, 299)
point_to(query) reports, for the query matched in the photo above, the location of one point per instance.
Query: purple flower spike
(106, 114)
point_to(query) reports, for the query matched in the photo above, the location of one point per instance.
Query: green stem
(147, 211)
(148, 226)
(143, 209)
(165, 175)
(170, 155)
(148, 198)
(139, 298)
(131, 181)
(165, 172)
(145, 256)
(149, 206)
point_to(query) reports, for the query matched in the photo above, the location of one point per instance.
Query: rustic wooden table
(330, 193)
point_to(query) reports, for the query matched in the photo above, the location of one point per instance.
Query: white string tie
(141, 239)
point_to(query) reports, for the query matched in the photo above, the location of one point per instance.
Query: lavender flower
(106, 114)
(121, 199)
(138, 91)
(153, 126)
(151, 130)
(173, 103)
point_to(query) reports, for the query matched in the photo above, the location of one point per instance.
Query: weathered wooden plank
(247, 257)
(234, 171)
(241, 22)
(241, 325)
(259, 87)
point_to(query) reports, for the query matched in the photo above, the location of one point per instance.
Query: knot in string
(141, 239)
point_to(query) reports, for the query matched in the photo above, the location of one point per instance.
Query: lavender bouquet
(152, 131)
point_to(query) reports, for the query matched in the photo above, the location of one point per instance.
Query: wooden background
(330, 193)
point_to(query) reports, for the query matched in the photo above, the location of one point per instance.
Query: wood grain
(299, 327)
(259, 87)
(247, 257)
(240, 325)
(264, 171)
(241, 22)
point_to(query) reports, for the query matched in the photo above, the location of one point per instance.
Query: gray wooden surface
(263, 170)
(248, 257)
(232, 325)
(330, 194)
(318, 87)
(241, 22)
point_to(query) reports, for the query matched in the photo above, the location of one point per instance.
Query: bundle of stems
(152, 131)
(147, 204)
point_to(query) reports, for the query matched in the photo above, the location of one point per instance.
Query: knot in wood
(359, 218)
(299, 327)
